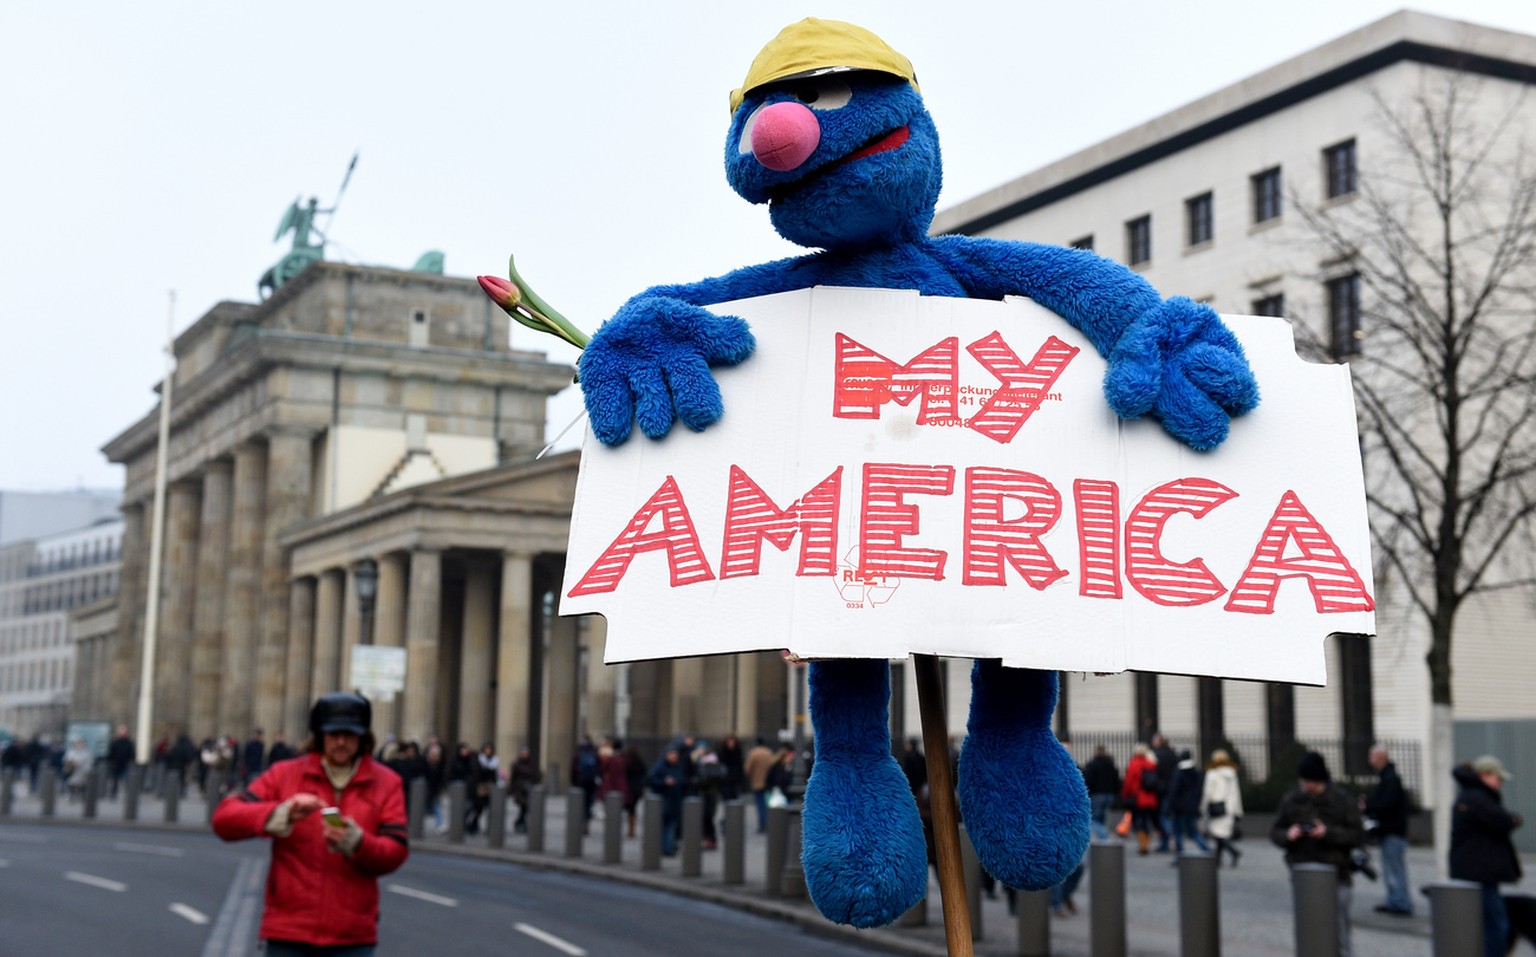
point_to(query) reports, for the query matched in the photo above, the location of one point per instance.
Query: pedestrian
(1183, 803)
(667, 780)
(1221, 801)
(614, 778)
(758, 763)
(1387, 809)
(78, 761)
(1167, 764)
(280, 751)
(437, 777)
(407, 763)
(732, 759)
(586, 772)
(322, 887)
(525, 774)
(178, 759)
(1139, 792)
(1102, 779)
(120, 756)
(464, 768)
(253, 757)
(1317, 823)
(635, 771)
(1481, 848)
(710, 776)
(487, 777)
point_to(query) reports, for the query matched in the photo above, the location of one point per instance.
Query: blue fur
(1023, 800)
(865, 860)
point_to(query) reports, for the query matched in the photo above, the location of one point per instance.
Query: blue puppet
(830, 131)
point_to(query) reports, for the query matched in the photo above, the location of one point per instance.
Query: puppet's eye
(824, 93)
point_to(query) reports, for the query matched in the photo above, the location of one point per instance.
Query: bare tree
(1441, 234)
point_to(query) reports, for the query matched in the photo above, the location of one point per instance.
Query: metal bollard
(536, 802)
(778, 834)
(416, 809)
(1199, 907)
(613, 827)
(693, 836)
(7, 791)
(575, 821)
(1106, 891)
(650, 833)
(210, 803)
(792, 883)
(1316, 891)
(1034, 923)
(734, 866)
(458, 792)
(970, 865)
(92, 791)
(49, 789)
(496, 821)
(1456, 919)
(135, 786)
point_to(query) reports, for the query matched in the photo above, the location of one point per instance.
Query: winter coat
(1481, 849)
(315, 895)
(1101, 776)
(1334, 809)
(759, 763)
(1221, 787)
(1185, 789)
(668, 781)
(1388, 803)
(615, 778)
(525, 774)
(1140, 788)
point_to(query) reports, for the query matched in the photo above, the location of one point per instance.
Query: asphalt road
(159, 894)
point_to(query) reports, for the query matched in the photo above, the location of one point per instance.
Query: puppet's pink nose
(784, 135)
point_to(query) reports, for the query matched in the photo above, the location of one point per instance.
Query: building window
(1266, 195)
(1085, 242)
(1198, 215)
(1344, 316)
(1269, 306)
(1339, 169)
(1138, 240)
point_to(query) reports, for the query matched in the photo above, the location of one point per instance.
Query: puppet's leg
(1022, 799)
(865, 860)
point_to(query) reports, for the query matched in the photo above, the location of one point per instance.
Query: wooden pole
(944, 813)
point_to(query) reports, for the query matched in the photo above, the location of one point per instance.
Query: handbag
(1216, 809)
(777, 798)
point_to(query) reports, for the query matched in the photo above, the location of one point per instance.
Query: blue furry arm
(650, 363)
(1172, 359)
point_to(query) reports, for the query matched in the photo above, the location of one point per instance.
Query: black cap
(1313, 768)
(340, 711)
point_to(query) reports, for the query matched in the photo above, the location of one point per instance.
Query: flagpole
(156, 548)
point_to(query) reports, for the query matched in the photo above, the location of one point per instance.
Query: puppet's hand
(650, 363)
(1178, 362)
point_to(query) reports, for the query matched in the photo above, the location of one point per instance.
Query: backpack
(587, 767)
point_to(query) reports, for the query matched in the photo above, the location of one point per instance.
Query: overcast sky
(151, 147)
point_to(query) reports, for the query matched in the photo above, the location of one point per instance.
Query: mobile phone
(332, 816)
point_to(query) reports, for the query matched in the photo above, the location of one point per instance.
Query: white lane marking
(234, 932)
(4, 862)
(190, 913)
(159, 849)
(94, 881)
(546, 937)
(421, 895)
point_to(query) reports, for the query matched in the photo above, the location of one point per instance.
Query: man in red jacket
(323, 889)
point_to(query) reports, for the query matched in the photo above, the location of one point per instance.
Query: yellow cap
(813, 46)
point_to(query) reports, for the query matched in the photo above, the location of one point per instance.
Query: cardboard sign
(897, 473)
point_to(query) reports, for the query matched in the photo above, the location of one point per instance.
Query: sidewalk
(1255, 898)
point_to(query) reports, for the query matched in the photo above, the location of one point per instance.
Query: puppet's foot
(865, 860)
(1022, 799)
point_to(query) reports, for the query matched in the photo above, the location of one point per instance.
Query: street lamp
(366, 576)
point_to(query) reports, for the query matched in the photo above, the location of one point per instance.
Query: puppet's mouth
(883, 144)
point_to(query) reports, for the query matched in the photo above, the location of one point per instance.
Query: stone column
(423, 609)
(351, 628)
(514, 654)
(327, 661)
(477, 660)
(120, 683)
(687, 685)
(289, 459)
(208, 619)
(178, 596)
(745, 724)
(302, 601)
(560, 703)
(602, 680)
(389, 632)
(242, 591)
(717, 710)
